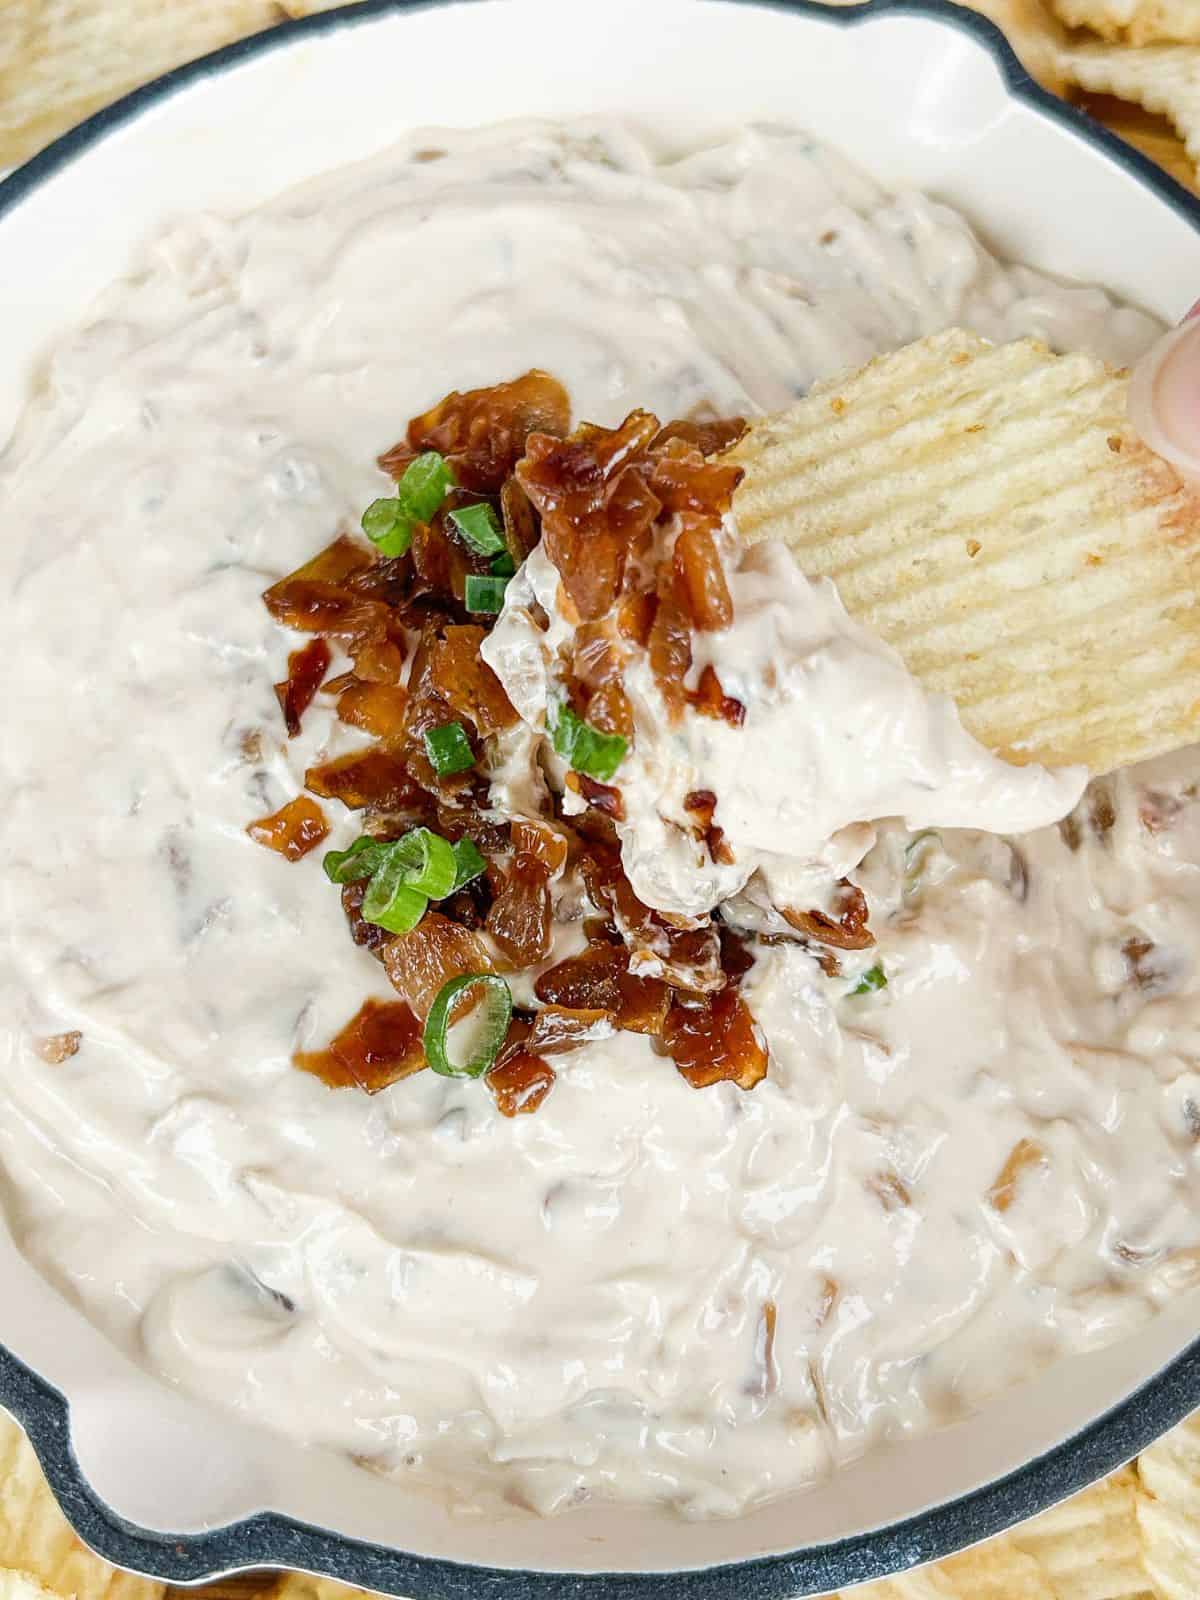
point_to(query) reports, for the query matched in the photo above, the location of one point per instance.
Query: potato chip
(20, 1586)
(1168, 1510)
(1135, 22)
(1164, 79)
(60, 60)
(989, 512)
(37, 1540)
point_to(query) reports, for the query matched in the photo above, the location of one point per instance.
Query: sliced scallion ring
(361, 860)
(873, 979)
(390, 901)
(469, 862)
(428, 861)
(479, 528)
(483, 594)
(585, 748)
(389, 522)
(490, 1026)
(425, 484)
(448, 749)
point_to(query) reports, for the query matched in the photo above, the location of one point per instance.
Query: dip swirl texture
(940, 1186)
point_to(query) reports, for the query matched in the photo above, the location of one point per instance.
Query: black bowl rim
(270, 1539)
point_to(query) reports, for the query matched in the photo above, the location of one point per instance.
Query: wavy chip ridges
(988, 511)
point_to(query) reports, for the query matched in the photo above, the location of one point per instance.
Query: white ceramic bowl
(921, 94)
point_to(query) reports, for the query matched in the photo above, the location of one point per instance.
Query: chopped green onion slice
(384, 522)
(504, 566)
(390, 902)
(484, 594)
(360, 861)
(490, 1027)
(389, 523)
(874, 978)
(469, 862)
(428, 861)
(585, 748)
(480, 528)
(425, 484)
(448, 749)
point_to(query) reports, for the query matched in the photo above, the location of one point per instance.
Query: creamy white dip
(572, 1303)
(836, 735)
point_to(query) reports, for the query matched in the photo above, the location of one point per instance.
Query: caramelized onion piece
(710, 438)
(521, 532)
(421, 962)
(848, 932)
(715, 1041)
(558, 1028)
(306, 668)
(601, 796)
(520, 1084)
(670, 642)
(589, 981)
(367, 935)
(686, 957)
(544, 841)
(698, 563)
(378, 708)
(1022, 1158)
(372, 777)
(378, 660)
(635, 617)
(466, 683)
(317, 597)
(378, 1046)
(685, 482)
(521, 915)
(293, 830)
(710, 700)
(59, 1047)
(594, 505)
(644, 1005)
(482, 433)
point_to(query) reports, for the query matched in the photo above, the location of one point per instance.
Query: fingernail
(1164, 397)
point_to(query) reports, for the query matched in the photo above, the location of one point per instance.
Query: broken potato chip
(1163, 79)
(1135, 22)
(60, 60)
(988, 510)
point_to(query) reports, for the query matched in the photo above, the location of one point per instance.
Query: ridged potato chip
(1085, 1549)
(1168, 1509)
(989, 512)
(37, 1540)
(1135, 22)
(1165, 79)
(60, 60)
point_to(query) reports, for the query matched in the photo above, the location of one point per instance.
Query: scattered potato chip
(1135, 22)
(20, 1586)
(1168, 1510)
(1164, 79)
(1089, 1548)
(1085, 1549)
(60, 60)
(37, 1540)
(989, 512)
